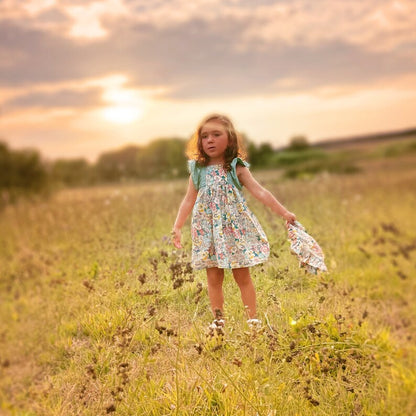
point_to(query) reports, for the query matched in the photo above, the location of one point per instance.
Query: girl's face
(214, 138)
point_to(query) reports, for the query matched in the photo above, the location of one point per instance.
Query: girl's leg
(215, 278)
(248, 293)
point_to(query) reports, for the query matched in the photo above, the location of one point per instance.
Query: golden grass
(99, 315)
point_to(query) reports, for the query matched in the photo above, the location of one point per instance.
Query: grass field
(99, 315)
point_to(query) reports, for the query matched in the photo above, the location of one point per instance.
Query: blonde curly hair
(234, 149)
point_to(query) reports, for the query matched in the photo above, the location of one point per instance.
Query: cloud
(59, 58)
(90, 95)
(199, 57)
(374, 24)
(87, 18)
(59, 99)
(74, 19)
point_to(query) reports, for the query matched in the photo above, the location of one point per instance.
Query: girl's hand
(176, 237)
(290, 217)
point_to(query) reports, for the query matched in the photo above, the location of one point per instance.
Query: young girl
(225, 233)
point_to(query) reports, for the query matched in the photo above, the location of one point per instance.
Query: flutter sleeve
(233, 173)
(194, 172)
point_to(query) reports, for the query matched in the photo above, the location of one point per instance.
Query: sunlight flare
(126, 106)
(122, 114)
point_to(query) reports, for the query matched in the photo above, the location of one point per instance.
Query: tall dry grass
(99, 315)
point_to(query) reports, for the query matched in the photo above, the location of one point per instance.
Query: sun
(122, 114)
(125, 105)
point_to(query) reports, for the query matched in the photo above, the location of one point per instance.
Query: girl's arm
(259, 192)
(185, 209)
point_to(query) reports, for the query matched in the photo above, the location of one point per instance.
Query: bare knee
(242, 277)
(215, 277)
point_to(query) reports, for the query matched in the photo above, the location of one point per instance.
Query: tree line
(26, 172)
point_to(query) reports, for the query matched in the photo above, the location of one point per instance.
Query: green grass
(99, 315)
(404, 147)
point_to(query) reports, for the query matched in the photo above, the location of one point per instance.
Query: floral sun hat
(307, 250)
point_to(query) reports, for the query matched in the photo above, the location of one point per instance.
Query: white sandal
(216, 327)
(217, 323)
(254, 323)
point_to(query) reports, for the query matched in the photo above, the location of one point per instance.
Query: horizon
(78, 80)
(324, 141)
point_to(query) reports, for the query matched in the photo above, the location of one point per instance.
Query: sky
(78, 78)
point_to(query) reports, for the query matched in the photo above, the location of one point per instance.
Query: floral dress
(225, 233)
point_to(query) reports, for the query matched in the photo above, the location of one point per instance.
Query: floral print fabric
(225, 233)
(307, 250)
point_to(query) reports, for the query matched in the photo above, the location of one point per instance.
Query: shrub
(22, 172)
(298, 143)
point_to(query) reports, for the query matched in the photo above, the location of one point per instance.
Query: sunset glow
(131, 71)
(122, 114)
(127, 105)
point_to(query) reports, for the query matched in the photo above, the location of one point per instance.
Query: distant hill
(364, 140)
